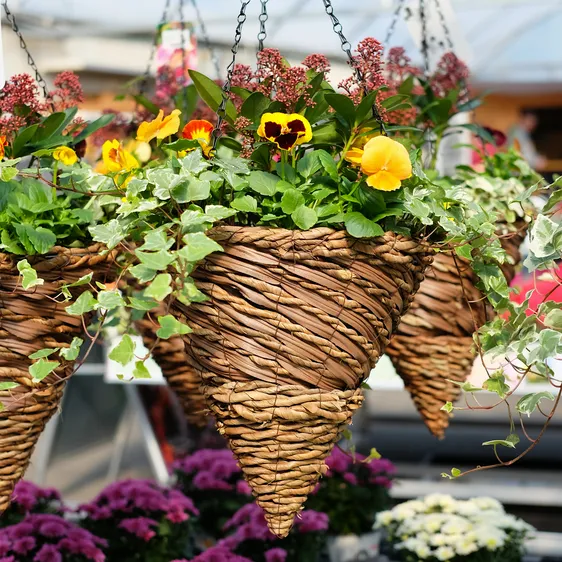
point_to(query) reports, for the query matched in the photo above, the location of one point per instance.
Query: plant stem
(55, 170)
(283, 163)
(437, 144)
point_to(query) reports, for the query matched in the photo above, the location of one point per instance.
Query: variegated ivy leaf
(160, 288)
(169, 327)
(198, 246)
(124, 351)
(110, 234)
(84, 280)
(528, 404)
(71, 353)
(41, 369)
(86, 302)
(28, 275)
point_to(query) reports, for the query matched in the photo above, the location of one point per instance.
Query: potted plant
(141, 520)
(353, 490)
(439, 527)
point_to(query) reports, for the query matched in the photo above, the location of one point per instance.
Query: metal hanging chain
(206, 39)
(424, 38)
(346, 48)
(12, 21)
(395, 18)
(221, 111)
(446, 30)
(183, 58)
(263, 19)
(144, 82)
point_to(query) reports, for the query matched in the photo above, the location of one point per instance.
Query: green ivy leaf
(169, 327)
(142, 304)
(84, 303)
(155, 260)
(263, 183)
(192, 189)
(42, 369)
(156, 240)
(42, 353)
(28, 275)
(218, 212)
(71, 353)
(109, 234)
(7, 385)
(304, 217)
(359, 226)
(143, 273)
(464, 251)
(554, 319)
(84, 280)
(160, 288)
(496, 384)
(245, 203)
(110, 300)
(529, 402)
(140, 371)
(510, 441)
(198, 246)
(292, 199)
(124, 351)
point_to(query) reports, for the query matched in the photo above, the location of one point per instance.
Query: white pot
(354, 548)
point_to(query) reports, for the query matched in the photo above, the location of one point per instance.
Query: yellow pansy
(141, 150)
(386, 163)
(65, 155)
(355, 152)
(285, 130)
(116, 158)
(160, 127)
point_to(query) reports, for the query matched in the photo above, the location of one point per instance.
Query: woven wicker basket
(32, 320)
(294, 323)
(433, 345)
(184, 381)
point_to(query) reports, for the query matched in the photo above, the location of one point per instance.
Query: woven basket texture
(433, 345)
(303, 312)
(32, 320)
(184, 381)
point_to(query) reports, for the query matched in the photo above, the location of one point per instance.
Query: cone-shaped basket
(433, 345)
(294, 323)
(32, 320)
(184, 381)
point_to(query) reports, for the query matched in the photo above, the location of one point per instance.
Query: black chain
(446, 30)
(221, 111)
(395, 18)
(424, 38)
(183, 61)
(263, 19)
(144, 81)
(206, 39)
(12, 21)
(346, 48)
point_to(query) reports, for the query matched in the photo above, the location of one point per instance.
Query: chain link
(144, 81)
(424, 38)
(446, 30)
(30, 60)
(221, 111)
(184, 99)
(263, 19)
(395, 18)
(206, 39)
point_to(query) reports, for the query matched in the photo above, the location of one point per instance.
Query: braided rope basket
(32, 320)
(184, 381)
(294, 323)
(433, 346)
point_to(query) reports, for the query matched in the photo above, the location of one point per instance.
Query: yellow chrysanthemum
(160, 127)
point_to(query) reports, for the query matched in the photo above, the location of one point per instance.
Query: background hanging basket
(184, 381)
(32, 320)
(434, 343)
(294, 316)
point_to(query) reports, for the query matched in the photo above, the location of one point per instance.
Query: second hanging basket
(433, 346)
(294, 323)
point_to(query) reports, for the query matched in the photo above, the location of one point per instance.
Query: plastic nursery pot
(31, 320)
(294, 323)
(433, 345)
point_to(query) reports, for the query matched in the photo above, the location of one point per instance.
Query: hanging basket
(183, 380)
(29, 321)
(294, 323)
(433, 345)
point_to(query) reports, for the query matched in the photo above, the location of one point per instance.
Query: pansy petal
(286, 141)
(383, 153)
(272, 130)
(354, 155)
(384, 181)
(170, 125)
(199, 129)
(296, 123)
(148, 129)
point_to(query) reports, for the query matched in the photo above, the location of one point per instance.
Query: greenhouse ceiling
(504, 41)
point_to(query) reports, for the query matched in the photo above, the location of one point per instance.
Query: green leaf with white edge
(109, 300)
(193, 189)
(359, 226)
(142, 272)
(554, 319)
(292, 199)
(189, 292)
(156, 240)
(496, 384)
(139, 303)
(245, 204)
(160, 288)
(170, 327)
(8, 385)
(198, 246)
(124, 352)
(447, 407)
(155, 260)
(218, 212)
(41, 369)
(541, 236)
(304, 217)
(163, 179)
(528, 404)
(86, 302)
(140, 371)
(464, 251)
(42, 353)
(469, 387)
(71, 353)
(29, 277)
(511, 441)
(84, 280)
(194, 162)
(263, 183)
(109, 234)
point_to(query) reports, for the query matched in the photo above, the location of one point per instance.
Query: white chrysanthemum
(466, 544)
(456, 525)
(384, 519)
(444, 553)
(490, 538)
(489, 504)
(467, 508)
(402, 512)
(422, 551)
(439, 500)
(434, 521)
(438, 539)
